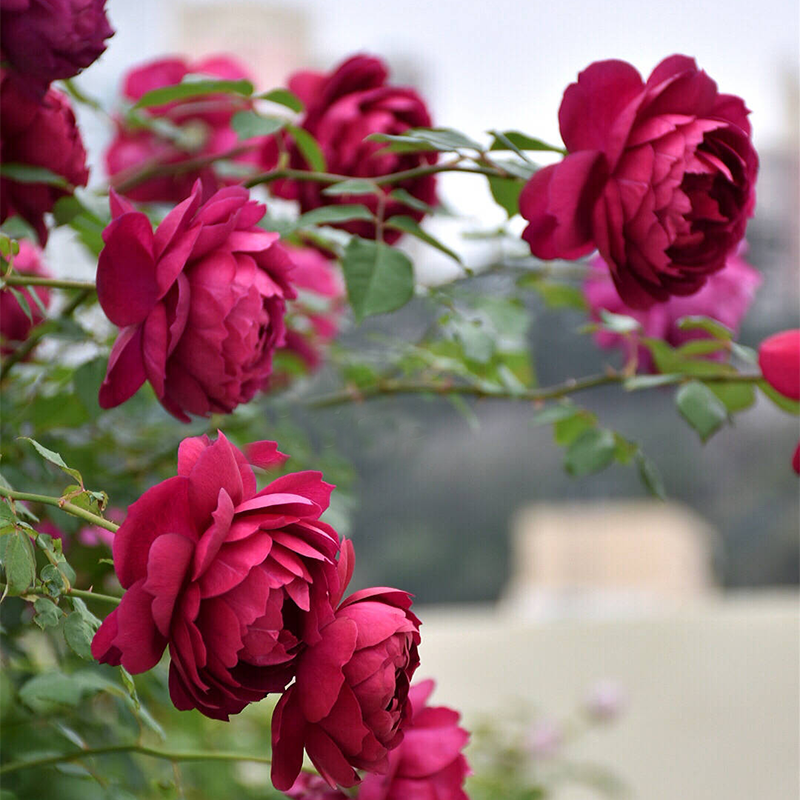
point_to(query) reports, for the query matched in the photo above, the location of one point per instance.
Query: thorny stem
(69, 508)
(82, 593)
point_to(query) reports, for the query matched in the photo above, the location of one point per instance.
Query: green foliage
(191, 88)
(701, 408)
(308, 147)
(283, 97)
(248, 124)
(26, 173)
(354, 186)
(514, 140)
(417, 140)
(411, 226)
(506, 192)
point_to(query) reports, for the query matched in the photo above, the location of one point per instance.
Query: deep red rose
(48, 40)
(428, 763)
(200, 302)
(725, 297)
(349, 702)
(14, 323)
(234, 580)
(660, 178)
(204, 123)
(37, 133)
(342, 109)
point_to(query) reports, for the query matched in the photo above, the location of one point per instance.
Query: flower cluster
(244, 587)
(197, 129)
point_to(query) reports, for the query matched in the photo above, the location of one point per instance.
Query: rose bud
(203, 125)
(342, 109)
(660, 178)
(726, 297)
(37, 133)
(235, 581)
(48, 40)
(15, 325)
(428, 762)
(779, 359)
(200, 302)
(349, 702)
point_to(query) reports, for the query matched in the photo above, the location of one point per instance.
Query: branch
(54, 283)
(196, 755)
(76, 511)
(386, 388)
(82, 593)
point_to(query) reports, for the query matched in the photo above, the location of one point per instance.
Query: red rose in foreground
(342, 109)
(660, 178)
(14, 323)
(203, 123)
(37, 133)
(200, 302)
(48, 40)
(428, 763)
(726, 297)
(234, 580)
(349, 703)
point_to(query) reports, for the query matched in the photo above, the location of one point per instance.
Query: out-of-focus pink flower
(95, 536)
(14, 323)
(313, 787)
(200, 302)
(37, 132)
(725, 297)
(605, 700)
(660, 178)
(428, 763)
(48, 40)
(343, 107)
(203, 127)
(544, 739)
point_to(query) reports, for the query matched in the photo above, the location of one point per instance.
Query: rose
(659, 178)
(428, 762)
(235, 581)
(37, 133)
(726, 297)
(201, 130)
(349, 702)
(342, 109)
(15, 325)
(48, 40)
(779, 359)
(200, 302)
(605, 701)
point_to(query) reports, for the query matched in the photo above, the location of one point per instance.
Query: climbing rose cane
(660, 178)
(15, 325)
(200, 302)
(235, 581)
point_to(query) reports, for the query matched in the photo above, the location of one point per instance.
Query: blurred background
(544, 583)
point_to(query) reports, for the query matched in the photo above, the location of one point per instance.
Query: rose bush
(349, 703)
(235, 581)
(725, 297)
(200, 302)
(48, 40)
(201, 129)
(37, 133)
(660, 178)
(15, 325)
(342, 109)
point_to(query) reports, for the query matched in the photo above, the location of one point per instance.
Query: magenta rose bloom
(342, 109)
(48, 40)
(349, 702)
(660, 178)
(38, 133)
(200, 302)
(313, 787)
(725, 297)
(428, 763)
(235, 581)
(14, 322)
(205, 123)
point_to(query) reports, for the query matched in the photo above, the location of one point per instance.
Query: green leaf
(47, 691)
(408, 199)
(591, 451)
(88, 225)
(701, 408)
(553, 413)
(354, 186)
(415, 140)
(650, 476)
(19, 562)
(8, 246)
(193, 88)
(711, 326)
(735, 396)
(249, 124)
(130, 686)
(54, 458)
(477, 343)
(86, 382)
(670, 360)
(48, 613)
(283, 97)
(555, 295)
(567, 430)
(411, 226)
(79, 634)
(53, 580)
(308, 147)
(506, 192)
(379, 278)
(521, 141)
(23, 302)
(325, 215)
(624, 451)
(619, 323)
(650, 381)
(783, 402)
(27, 173)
